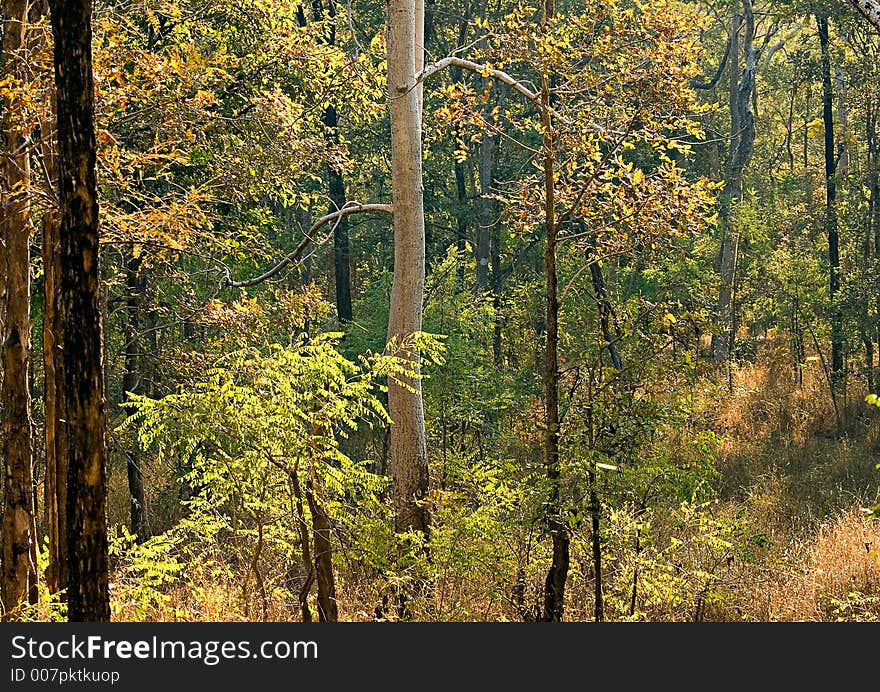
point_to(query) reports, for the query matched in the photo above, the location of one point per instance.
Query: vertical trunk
(131, 384)
(595, 517)
(409, 456)
(87, 593)
(874, 212)
(485, 249)
(18, 574)
(554, 587)
(341, 243)
(742, 120)
(831, 206)
(336, 182)
(603, 304)
(321, 531)
(53, 370)
(306, 551)
(487, 221)
(497, 283)
(55, 489)
(461, 217)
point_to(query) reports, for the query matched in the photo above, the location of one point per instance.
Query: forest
(440, 310)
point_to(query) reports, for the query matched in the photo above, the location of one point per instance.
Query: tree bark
(55, 491)
(336, 182)
(18, 577)
(409, 456)
(831, 206)
(80, 312)
(742, 86)
(874, 213)
(131, 384)
(869, 9)
(321, 532)
(557, 575)
(742, 128)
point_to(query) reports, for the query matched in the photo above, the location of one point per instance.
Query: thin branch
(347, 210)
(501, 76)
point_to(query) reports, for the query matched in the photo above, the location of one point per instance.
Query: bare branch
(501, 76)
(347, 209)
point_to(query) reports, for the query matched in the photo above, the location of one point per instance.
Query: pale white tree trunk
(869, 9)
(409, 457)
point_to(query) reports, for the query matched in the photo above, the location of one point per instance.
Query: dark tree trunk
(335, 179)
(603, 304)
(55, 489)
(18, 577)
(341, 241)
(557, 575)
(131, 384)
(321, 532)
(54, 403)
(80, 308)
(831, 206)
(461, 217)
(874, 213)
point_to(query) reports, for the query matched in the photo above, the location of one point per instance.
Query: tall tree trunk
(131, 384)
(557, 575)
(742, 140)
(321, 531)
(874, 212)
(603, 303)
(409, 455)
(80, 307)
(831, 229)
(461, 217)
(55, 433)
(55, 490)
(18, 577)
(341, 241)
(487, 207)
(336, 182)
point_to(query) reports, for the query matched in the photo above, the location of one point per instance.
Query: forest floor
(786, 536)
(806, 478)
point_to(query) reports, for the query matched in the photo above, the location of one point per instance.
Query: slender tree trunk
(409, 455)
(831, 229)
(606, 312)
(742, 121)
(341, 242)
(131, 384)
(306, 551)
(53, 371)
(596, 543)
(18, 577)
(55, 488)
(461, 216)
(557, 575)
(486, 214)
(80, 312)
(336, 183)
(874, 214)
(321, 531)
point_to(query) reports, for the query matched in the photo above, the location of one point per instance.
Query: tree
(831, 229)
(869, 9)
(19, 576)
(409, 454)
(80, 312)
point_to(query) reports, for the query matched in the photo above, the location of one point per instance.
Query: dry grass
(834, 575)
